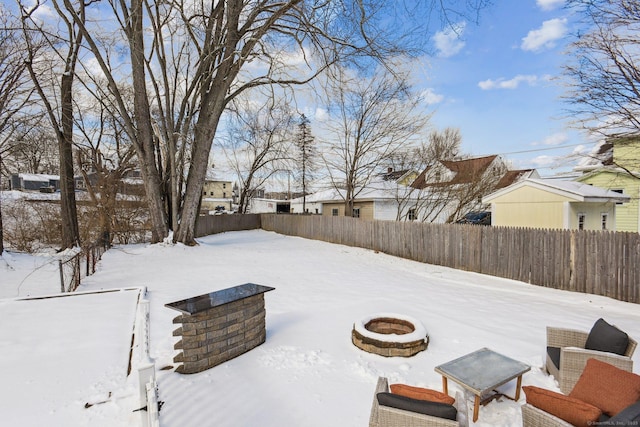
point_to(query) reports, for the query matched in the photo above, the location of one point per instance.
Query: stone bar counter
(219, 326)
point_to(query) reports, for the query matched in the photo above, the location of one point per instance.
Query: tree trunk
(1, 233)
(203, 138)
(144, 134)
(69, 213)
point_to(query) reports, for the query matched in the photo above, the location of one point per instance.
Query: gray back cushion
(435, 409)
(630, 416)
(606, 337)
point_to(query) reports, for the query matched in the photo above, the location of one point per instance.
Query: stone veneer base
(213, 336)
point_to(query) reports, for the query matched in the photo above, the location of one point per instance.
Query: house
(452, 188)
(381, 200)
(34, 182)
(216, 193)
(544, 203)
(615, 165)
(263, 205)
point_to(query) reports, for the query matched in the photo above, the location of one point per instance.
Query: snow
(419, 332)
(62, 353)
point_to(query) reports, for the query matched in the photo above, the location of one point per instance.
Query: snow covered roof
(380, 190)
(38, 177)
(571, 189)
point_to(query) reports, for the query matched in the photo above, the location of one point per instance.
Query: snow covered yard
(307, 373)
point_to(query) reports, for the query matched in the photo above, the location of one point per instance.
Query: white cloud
(430, 97)
(545, 36)
(553, 140)
(321, 114)
(581, 149)
(544, 161)
(549, 4)
(448, 42)
(513, 83)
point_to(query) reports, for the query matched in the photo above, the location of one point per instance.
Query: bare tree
(15, 93)
(31, 147)
(417, 201)
(197, 56)
(65, 46)
(256, 145)
(105, 159)
(451, 184)
(373, 118)
(603, 74)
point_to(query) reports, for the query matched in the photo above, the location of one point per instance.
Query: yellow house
(216, 193)
(627, 214)
(618, 170)
(548, 203)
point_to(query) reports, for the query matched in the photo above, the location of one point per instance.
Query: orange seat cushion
(571, 410)
(421, 393)
(607, 387)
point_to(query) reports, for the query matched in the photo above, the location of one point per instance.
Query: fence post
(147, 368)
(61, 276)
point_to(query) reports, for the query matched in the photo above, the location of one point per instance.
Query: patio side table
(482, 371)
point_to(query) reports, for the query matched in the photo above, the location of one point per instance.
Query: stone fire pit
(390, 335)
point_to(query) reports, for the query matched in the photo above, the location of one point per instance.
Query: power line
(544, 149)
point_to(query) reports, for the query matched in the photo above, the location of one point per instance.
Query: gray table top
(482, 370)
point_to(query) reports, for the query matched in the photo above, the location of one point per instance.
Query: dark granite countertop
(204, 302)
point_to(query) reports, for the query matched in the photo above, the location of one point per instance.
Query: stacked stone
(218, 334)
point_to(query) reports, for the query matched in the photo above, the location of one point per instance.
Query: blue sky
(497, 81)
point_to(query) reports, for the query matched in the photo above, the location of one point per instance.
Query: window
(224, 195)
(618, 190)
(356, 213)
(438, 176)
(581, 220)
(224, 185)
(605, 217)
(334, 212)
(412, 215)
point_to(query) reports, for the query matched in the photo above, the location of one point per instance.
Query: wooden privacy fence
(213, 224)
(594, 262)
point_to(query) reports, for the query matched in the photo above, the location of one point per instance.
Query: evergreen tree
(306, 156)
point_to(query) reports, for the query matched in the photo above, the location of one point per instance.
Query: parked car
(480, 218)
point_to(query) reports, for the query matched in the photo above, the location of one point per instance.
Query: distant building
(34, 182)
(383, 200)
(217, 193)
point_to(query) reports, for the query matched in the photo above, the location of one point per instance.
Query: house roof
(38, 177)
(614, 170)
(576, 191)
(466, 171)
(601, 155)
(511, 177)
(395, 175)
(380, 190)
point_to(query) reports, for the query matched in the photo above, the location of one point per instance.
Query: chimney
(389, 170)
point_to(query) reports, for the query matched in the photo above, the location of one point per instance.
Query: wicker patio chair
(573, 356)
(534, 417)
(385, 416)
